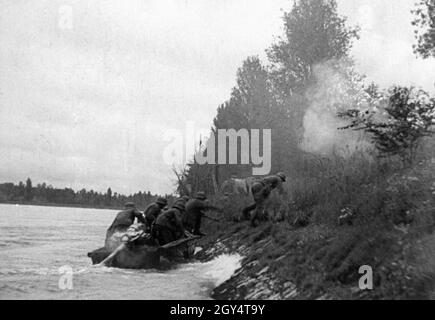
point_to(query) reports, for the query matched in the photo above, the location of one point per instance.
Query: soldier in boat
(123, 221)
(126, 218)
(153, 211)
(168, 226)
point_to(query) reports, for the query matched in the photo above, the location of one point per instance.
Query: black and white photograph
(217, 150)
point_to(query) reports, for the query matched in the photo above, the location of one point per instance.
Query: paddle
(108, 260)
(178, 242)
(210, 218)
(188, 234)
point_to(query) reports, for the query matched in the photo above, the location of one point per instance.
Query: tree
(109, 193)
(48, 194)
(181, 184)
(314, 33)
(108, 197)
(28, 191)
(250, 104)
(424, 23)
(19, 191)
(274, 97)
(409, 116)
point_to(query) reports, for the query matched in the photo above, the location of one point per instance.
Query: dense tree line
(278, 94)
(424, 23)
(273, 96)
(46, 194)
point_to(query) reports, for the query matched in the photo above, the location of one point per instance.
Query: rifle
(178, 242)
(210, 218)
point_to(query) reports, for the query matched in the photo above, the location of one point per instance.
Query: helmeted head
(161, 202)
(200, 195)
(180, 205)
(282, 176)
(129, 205)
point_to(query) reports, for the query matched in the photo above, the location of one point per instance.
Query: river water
(40, 246)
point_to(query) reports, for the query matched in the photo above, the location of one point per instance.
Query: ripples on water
(36, 241)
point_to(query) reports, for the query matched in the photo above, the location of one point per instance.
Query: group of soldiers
(166, 224)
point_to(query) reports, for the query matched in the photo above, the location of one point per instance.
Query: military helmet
(129, 205)
(282, 176)
(201, 195)
(180, 200)
(162, 201)
(179, 204)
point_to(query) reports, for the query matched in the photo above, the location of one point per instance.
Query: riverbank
(253, 280)
(389, 227)
(272, 267)
(313, 263)
(392, 232)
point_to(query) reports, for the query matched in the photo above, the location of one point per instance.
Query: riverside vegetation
(360, 162)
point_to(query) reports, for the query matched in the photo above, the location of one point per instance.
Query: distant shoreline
(63, 205)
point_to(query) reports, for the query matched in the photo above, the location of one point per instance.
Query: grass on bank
(392, 211)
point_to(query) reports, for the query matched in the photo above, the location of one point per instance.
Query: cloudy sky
(88, 89)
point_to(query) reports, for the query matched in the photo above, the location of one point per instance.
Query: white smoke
(336, 88)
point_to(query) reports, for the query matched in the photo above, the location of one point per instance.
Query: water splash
(222, 268)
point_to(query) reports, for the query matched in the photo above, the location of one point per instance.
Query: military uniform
(261, 191)
(153, 211)
(168, 226)
(126, 218)
(195, 211)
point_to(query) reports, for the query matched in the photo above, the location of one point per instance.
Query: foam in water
(223, 267)
(219, 269)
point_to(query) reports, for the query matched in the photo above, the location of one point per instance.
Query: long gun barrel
(210, 218)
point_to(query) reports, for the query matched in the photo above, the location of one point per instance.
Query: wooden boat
(139, 251)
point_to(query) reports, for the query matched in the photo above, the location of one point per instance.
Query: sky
(90, 90)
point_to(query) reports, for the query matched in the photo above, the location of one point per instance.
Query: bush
(409, 115)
